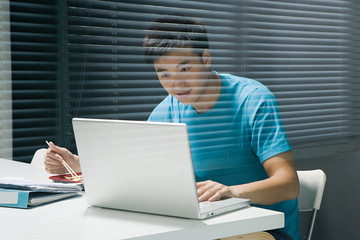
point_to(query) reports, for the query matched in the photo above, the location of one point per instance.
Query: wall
(5, 83)
(339, 214)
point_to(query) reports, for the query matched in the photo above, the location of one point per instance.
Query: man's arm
(282, 184)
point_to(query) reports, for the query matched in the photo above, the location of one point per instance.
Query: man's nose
(178, 80)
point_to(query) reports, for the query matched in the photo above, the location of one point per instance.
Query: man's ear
(206, 57)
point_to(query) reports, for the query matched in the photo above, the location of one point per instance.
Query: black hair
(174, 32)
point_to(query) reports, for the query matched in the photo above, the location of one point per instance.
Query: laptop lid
(137, 166)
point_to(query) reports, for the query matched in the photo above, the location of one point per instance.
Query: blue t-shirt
(230, 142)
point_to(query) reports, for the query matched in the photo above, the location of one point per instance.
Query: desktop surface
(73, 217)
(76, 219)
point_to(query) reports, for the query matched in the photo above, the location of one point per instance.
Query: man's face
(186, 76)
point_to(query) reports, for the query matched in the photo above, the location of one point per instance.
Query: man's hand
(212, 191)
(282, 184)
(54, 157)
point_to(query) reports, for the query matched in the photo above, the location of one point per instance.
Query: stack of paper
(24, 193)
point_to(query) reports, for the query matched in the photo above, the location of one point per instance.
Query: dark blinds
(34, 75)
(303, 52)
(80, 58)
(108, 74)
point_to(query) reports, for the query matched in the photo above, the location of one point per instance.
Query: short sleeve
(268, 135)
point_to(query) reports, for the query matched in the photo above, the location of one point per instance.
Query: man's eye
(164, 75)
(185, 69)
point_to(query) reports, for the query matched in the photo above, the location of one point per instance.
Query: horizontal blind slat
(34, 65)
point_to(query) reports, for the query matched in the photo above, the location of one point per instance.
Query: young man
(238, 143)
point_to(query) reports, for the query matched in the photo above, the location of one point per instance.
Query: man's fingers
(211, 191)
(54, 170)
(56, 148)
(50, 154)
(208, 193)
(203, 187)
(217, 196)
(200, 184)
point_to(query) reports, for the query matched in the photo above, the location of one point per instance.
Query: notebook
(143, 167)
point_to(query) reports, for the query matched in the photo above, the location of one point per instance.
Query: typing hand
(55, 155)
(212, 191)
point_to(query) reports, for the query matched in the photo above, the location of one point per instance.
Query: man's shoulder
(243, 87)
(161, 108)
(234, 79)
(167, 110)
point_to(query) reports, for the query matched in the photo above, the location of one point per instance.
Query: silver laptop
(143, 167)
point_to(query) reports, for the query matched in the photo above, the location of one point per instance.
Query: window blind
(81, 58)
(108, 74)
(34, 75)
(303, 51)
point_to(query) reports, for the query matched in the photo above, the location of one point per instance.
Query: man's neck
(211, 94)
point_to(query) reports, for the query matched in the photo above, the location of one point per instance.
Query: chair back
(312, 184)
(38, 158)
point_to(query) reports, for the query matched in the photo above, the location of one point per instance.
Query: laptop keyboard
(206, 205)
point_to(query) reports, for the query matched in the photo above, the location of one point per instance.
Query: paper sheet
(25, 184)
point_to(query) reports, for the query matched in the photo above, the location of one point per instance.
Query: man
(238, 142)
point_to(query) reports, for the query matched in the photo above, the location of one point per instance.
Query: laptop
(143, 167)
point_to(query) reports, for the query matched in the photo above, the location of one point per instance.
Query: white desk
(74, 219)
